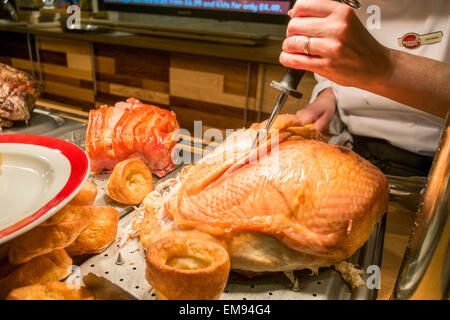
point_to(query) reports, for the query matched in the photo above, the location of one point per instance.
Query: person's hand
(341, 49)
(320, 111)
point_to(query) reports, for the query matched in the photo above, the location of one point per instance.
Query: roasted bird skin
(305, 204)
(131, 129)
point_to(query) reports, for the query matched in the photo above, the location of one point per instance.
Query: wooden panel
(201, 82)
(212, 108)
(124, 72)
(86, 84)
(143, 94)
(212, 115)
(6, 60)
(79, 61)
(208, 88)
(58, 106)
(64, 45)
(76, 103)
(187, 116)
(22, 64)
(136, 62)
(195, 84)
(65, 80)
(119, 79)
(66, 68)
(204, 86)
(105, 64)
(216, 88)
(13, 45)
(72, 92)
(124, 92)
(14, 52)
(103, 86)
(103, 98)
(53, 57)
(77, 58)
(234, 72)
(68, 72)
(155, 85)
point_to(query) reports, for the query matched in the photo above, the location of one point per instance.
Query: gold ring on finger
(306, 46)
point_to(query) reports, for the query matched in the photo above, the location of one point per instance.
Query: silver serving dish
(425, 270)
(46, 123)
(327, 285)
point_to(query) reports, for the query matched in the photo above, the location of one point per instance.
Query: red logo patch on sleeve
(413, 40)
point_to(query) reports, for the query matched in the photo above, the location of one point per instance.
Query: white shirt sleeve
(322, 84)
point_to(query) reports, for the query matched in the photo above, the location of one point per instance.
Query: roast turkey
(302, 204)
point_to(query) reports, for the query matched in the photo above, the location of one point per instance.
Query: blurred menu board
(248, 6)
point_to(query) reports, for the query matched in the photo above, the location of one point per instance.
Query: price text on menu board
(255, 6)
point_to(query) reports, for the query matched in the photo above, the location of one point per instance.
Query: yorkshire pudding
(99, 234)
(187, 269)
(52, 266)
(86, 195)
(50, 291)
(130, 182)
(57, 232)
(4, 248)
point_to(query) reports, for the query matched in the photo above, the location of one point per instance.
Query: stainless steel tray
(47, 123)
(328, 284)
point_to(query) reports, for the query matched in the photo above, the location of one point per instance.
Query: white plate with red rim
(38, 176)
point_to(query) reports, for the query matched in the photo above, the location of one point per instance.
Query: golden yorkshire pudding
(187, 269)
(57, 232)
(4, 249)
(50, 291)
(130, 182)
(6, 268)
(99, 234)
(86, 195)
(53, 266)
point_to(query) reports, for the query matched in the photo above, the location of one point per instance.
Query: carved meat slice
(131, 129)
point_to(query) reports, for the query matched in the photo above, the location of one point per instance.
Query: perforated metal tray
(328, 284)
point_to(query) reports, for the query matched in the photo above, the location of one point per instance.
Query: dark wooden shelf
(268, 52)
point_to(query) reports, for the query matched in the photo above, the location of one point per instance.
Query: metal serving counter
(130, 275)
(47, 123)
(328, 284)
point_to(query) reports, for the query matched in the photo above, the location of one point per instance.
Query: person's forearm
(328, 95)
(342, 50)
(415, 81)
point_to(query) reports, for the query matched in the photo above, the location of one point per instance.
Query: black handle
(292, 78)
(290, 82)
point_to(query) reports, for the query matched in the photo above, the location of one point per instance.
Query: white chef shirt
(366, 114)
